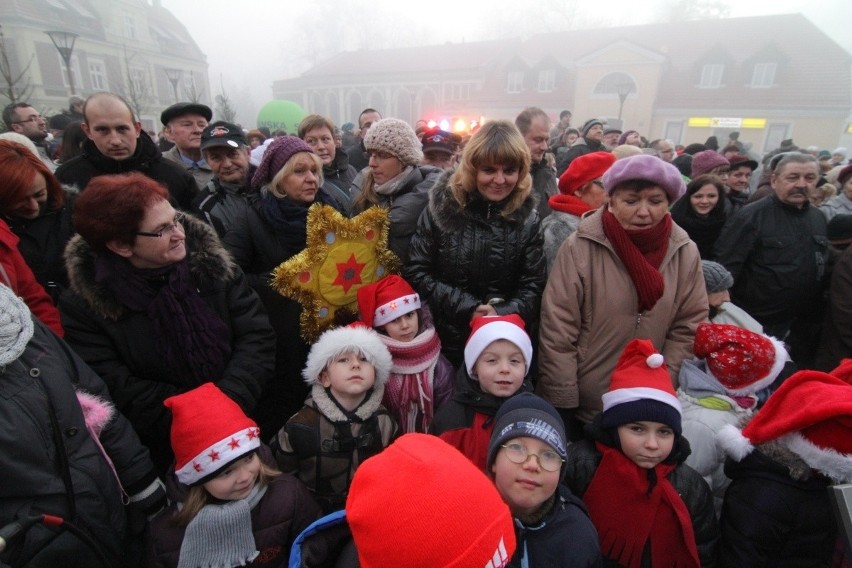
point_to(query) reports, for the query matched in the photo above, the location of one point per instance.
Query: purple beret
(844, 175)
(623, 138)
(276, 155)
(704, 162)
(645, 167)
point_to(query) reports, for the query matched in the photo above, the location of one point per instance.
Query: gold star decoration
(341, 256)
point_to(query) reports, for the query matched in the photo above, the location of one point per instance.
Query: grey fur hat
(397, 138)
(355, 337)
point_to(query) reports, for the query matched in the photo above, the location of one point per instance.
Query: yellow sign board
(728, 122)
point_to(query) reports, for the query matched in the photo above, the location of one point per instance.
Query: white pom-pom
(655, 361)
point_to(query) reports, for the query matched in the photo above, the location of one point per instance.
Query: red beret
(584, 169)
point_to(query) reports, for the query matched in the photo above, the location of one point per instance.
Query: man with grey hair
(665, 149)
(776, 251)
(534, 125)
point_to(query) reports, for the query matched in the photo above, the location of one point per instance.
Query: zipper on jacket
(638, 323)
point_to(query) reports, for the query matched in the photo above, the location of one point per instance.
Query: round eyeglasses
(548, 459)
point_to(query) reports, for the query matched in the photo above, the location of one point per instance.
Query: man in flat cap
(183, 124)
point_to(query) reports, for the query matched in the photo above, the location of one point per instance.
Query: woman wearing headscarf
(627, 272)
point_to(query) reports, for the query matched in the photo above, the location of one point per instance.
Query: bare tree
(16, 85)
(687, 10)
(134, 84)
(193, 93)
(225, 109)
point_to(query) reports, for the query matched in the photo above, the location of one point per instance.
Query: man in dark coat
(591, 140)
(776, 251)
(118, 145)
(358, 153)
(534, 125)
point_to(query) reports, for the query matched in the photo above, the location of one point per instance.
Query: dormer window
(515, 82)
(546, 80)
(711, 76)
(764, 75)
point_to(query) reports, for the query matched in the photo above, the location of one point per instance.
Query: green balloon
(281, 115)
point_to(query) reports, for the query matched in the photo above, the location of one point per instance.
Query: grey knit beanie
(16, 325)
(716, 277)
(589, 124)
(397, 138)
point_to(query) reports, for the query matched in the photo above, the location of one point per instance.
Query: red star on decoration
(349, 273)
(394, 305)
(196, 466)
(406, 300)
(234, 444)
(213, 455)
(253, 433)
(382, 311)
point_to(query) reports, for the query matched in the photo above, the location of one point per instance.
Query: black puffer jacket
(52, 465)
(406, 205)
(461, 257)
(119, 344)
(42, 243)
(338, 177)
(582, 463)
(777, 512)
(146, 160)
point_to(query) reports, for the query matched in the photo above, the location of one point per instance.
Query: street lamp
(622, 89)
(64, 44)
(174, 75)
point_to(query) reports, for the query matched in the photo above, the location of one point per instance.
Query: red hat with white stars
(209, 431)
(383, 301)
(742, 361)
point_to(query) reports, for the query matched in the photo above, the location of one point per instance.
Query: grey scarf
(16, 326)
(392, 185)
(220, 536)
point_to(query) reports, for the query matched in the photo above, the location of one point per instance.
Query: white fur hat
(354, 337)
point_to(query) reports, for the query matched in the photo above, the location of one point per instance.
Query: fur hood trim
(449, 216)
(330, 410)
(209, 262)
(350, 338)
(97, 412)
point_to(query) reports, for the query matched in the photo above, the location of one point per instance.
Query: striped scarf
(408, 392)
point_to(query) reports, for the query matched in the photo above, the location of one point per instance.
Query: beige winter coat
(589, 313)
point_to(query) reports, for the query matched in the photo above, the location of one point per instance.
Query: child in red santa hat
(421, 379)
(232, 507)
(720, 387)
(497, 359)
(649, 508)
(777, 510)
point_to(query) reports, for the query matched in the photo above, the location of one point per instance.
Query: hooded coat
(464, 256)
(119, 343)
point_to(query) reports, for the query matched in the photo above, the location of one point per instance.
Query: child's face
(646, 443)
(235, 481)
(349, 376)
(500, 368)
(525, 486)
(403, 328)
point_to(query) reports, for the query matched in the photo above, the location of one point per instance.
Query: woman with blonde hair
(478, 246)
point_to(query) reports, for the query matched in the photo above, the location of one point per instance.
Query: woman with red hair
(34, 205)
(158, 306)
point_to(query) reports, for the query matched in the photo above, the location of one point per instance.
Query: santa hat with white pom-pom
(810, 414)
(641, 389)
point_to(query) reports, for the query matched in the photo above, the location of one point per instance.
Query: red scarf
(628, 511)
(642, 252)
(569, 204)
(408, 392)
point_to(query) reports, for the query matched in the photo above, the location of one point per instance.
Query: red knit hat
(641, 389)
(742, 361)
(422, 503)
(209, 431)
(383, 301)
(488, 329)
(584, 169)
(811, 414)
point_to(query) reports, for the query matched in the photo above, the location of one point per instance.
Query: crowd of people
(599, 351)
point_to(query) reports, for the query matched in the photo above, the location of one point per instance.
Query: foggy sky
(251, 43)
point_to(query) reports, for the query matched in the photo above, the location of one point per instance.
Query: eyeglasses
(168, 229)
(32, 118)
(548, 459)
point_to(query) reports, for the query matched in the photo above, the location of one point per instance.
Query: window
(711, 76)
(546, 80)
(616, 84)
(515, 83)
(97, 75)
(75, 71)
(129, 26)
(458, 91)
(138, 80)
(764, 75)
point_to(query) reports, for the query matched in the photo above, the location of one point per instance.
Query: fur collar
(329, 409)
(449, 216)
(209, 262)
(737, 447)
